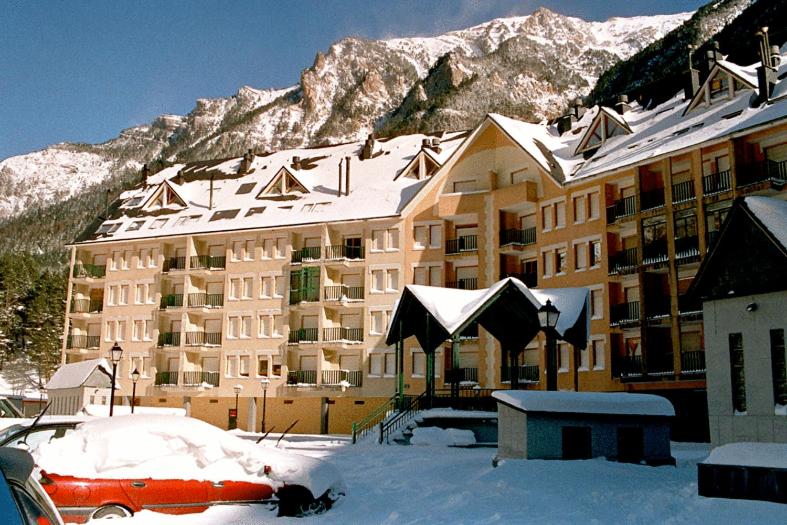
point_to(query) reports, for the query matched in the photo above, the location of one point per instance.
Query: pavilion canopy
(508, 310)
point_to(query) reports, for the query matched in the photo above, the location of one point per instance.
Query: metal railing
(410, 406)
(343, 251)
(651, 199)
(518, 237)
(83, 341)
(203, 338)
(465, 243)
(169, 339)
(631, 366)
(206, 300)
(656, 307)
(364, 426)
(625, 261)
(174, 263)
(90, 270)
(775, 171)
(337, 377)
(208, 262)
(166, 378)
(309, 253)
(336, 334)
(462, 375)
(88, 305)
(342, 292)
(660, 365)
(524, 373)
(624, 313)
(687, 247)
(692, 362)
(683, 191)
(303, 335)
(716, 183)
(655, 252)
(471, 332)
(302, 377)
(688, 305)
(173, 300)
(624, 207)
(469, 283)
(306, 294)
(200, 378)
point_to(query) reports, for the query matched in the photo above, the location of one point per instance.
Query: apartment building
(286, 266)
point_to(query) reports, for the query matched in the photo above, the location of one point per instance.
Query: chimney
(339, 192)
(245, 163)
(347, 175)
(776, 56)
(565, 123)
(296, 162)
(577, 108)
(179, 177)
(426, 143)
(622, 105)
(692, 80)
(145, 174)
(210, 197)
(713, 55)
(766, 73)
(368, 148)
(436, 144)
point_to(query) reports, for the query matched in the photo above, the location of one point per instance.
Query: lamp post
(116, 352)
(547, 317)
(134, 378)
(234, 413)
(265, 383)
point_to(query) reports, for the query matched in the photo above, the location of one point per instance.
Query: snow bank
(167, 447)
(123, 410)
(750, 454)
(439, 437)
(586, 402)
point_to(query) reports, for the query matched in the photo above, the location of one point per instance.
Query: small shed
(76, 385)
(632, 428)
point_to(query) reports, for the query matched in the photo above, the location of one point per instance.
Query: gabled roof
(746, 76)
(164, 186)
(600, 123)
(74, 375)
(285, 182)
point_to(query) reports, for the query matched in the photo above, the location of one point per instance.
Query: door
(160, 494)
(631, 444)
(216, 250)
(576, 443)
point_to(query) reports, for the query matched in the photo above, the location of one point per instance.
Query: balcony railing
(462, 375)
(776, 171)
(302, 377)
(683, 191)
(652, 199)
(342, 251)
(625, 207)
(469, 283)
(306, 294)
(83, 341)
(692, 362)
(309, 253)
(208, 262)
(465, 243)
(173, 300)
(660, 365)
(341, 333)
(625, 261)
(529, 279)
(716, 183)
(687, 248)
(655, 252)
(343, 292)
(688, 305)
(656, 308)
(303, 335)
(87, 305)
(200, 378)
(526, 373)
(631, 366)
(174, 263)
(337, 377)
(169, 339)
(90, 270)
(203, 338)
(625, 313)
(518, 237)
(166, 378)
(206, 300)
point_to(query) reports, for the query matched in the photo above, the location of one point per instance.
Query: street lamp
(234, 420)
(116, 352)
(134, 379)
(547, 317)
(265, 383)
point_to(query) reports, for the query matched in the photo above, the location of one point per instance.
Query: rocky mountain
(527, 67)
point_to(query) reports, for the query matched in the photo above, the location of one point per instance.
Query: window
(595, 254)
(597, 346)
(594, 206)
(112, 297)
(237, 250)
(393, 281)
(125, 260)
(142, 258)
(235, 288)
(393, 240)
(419, 364)
(421, 237)
(597, 303)
(109, 333)
(378, 240)
(581, 256)
(778, 368)
(737, 374)
(139, 295)
(562, 357)
(158, 223)
(546, 217)
(233, 328)
(134, 226)
(124, 294)
(560, 214)
(378, 277)
(248, 285)
(266, 287)
(268, 248)
(248, 251)
(151, 294)
(264, 326)
(579, 208)
(420, 275)
(281, 247)
(549, 258)
(560, 258)
(584, 359)
(376, 364)
(245, 327)
(390, 364)
(138, 330)
(278, 286)
(262, 366)
(435, 236)
(153, 259)
(120, 334)
(377, 325)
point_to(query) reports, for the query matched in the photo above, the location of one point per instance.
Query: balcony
(523, 237)
(343, 292)
(689, 307)
(716, 183)
(470, 283)
(625, 207)
(692, 363)
(625, 261)
(206, 300)
(302, 377)
(169, 339)
(660, 365)
(655, 252)
(309, 253)
(200, 379)
(83, 341)
(774, 171)
(303, 335)
(683, 192)
(87, 306)
(166, 378)
(203, 338)
(174, 300)
(524, 373)
(340, 377)
(624, 313)
(341, 334)
(687, 249)
(657, 308)
(208, 262)
(93, 271)
(174, 263)
(631, 366)
(652, 199)
(340, 252)
(529, 279)
(465, 243)
(304, 295)
(461, 375)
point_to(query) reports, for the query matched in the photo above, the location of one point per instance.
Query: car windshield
(7, 409)
(9, 431)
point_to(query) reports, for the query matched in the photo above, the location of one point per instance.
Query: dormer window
(723, 82)
(283, 185)
(604, 126)
(165, 197)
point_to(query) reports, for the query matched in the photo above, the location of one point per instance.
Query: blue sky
(82, 71)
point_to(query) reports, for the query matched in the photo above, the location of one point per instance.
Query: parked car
(27, 435)
(8, 409)
(175, 465)
(22, 500)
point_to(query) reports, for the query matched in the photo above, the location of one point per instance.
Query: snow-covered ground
(392, 484)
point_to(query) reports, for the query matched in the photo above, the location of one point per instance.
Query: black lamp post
(265, 382)
(234, 421)
(547, 317)
(116, 352)
(134, 379)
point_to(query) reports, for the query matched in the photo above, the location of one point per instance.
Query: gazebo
(508, 310)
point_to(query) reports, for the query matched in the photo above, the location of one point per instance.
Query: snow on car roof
(772, 455)
(620, 403)
(167, 447)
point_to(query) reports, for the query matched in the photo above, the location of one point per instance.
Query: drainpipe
(210, 199)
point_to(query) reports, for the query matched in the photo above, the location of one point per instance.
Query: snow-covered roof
(772, 455)
(619, 403)
(74, 375)
(772, 214)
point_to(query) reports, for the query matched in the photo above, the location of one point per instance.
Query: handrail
(362, 427)
(387, 427)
